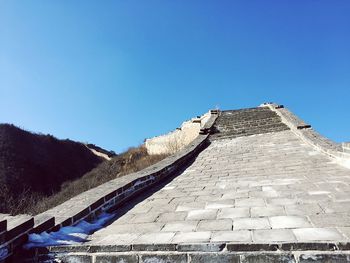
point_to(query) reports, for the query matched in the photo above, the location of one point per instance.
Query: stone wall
(346, 147)
(177, 139)
(199, 253)
(105, 197)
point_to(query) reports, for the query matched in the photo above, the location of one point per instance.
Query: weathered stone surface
(181, 226)
(234, 212)
(166, 258)
(240, 247)
(273, 235)
(317, 234)
(251, 223)
(109, 248)
(154, 247)
(228, 236)
(204, 247)
(267, 211)
(116, 259)
(66, 258)
(215, 225)
(266, 177)
(191, 237)
(315, 258)
(214, 258)
(155, 238)
(271, 258)
(246, 122)
(289, 222)
(257, 185)
(202, 214)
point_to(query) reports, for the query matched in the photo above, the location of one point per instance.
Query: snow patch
(3, 252)
(68, 235)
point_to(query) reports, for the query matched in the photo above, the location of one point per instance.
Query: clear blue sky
(115, 72)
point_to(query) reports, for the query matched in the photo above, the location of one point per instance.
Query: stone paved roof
(256, 182)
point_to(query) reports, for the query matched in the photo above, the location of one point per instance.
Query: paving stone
(336, 207)
(144, 218)
(251, 223)
(166, 258)
(180, 226)
(235, 195)
(271, 258)
(220, 204)
(315, 258)
(267, 211)
(204, 247)
(289, 222)
(183, 199)
(75, 258)
(317, 234)
(171, 216)
(234, 212)
(192, 237)
(116, 258)
(310, 199)
(155, 238)
(190, 206)
(141, 209)
(110, 239)
(164, 208)
(134, 228)
(251, 247)
(250, 202)
(214, 258)
(202, 214)
(231, 236)
(100, 248)
(215, 225)
(330, 220)
(154, 247)
(273, 235)
(125, 218)
(281, 201)
(303, 209)
(345, 231)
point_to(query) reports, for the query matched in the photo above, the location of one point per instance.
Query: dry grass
(133, 160)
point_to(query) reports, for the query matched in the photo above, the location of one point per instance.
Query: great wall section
(255, 185)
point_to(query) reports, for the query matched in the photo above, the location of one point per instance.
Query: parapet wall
(177, 139)
(340, 152)
(202, 253)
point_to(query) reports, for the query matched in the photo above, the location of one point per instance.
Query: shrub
(133, 160)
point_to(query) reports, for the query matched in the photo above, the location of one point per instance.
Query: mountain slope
(38, 164)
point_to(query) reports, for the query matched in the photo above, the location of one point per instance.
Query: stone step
(232, 124)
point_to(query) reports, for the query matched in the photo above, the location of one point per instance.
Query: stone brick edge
(199, 247)
(208, 257)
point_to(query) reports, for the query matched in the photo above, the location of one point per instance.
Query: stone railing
(105, 197)
(340, 152)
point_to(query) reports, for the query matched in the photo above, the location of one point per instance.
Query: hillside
(130, 161)
(38, 164)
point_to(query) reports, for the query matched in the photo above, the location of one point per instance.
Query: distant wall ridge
(337, 151)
